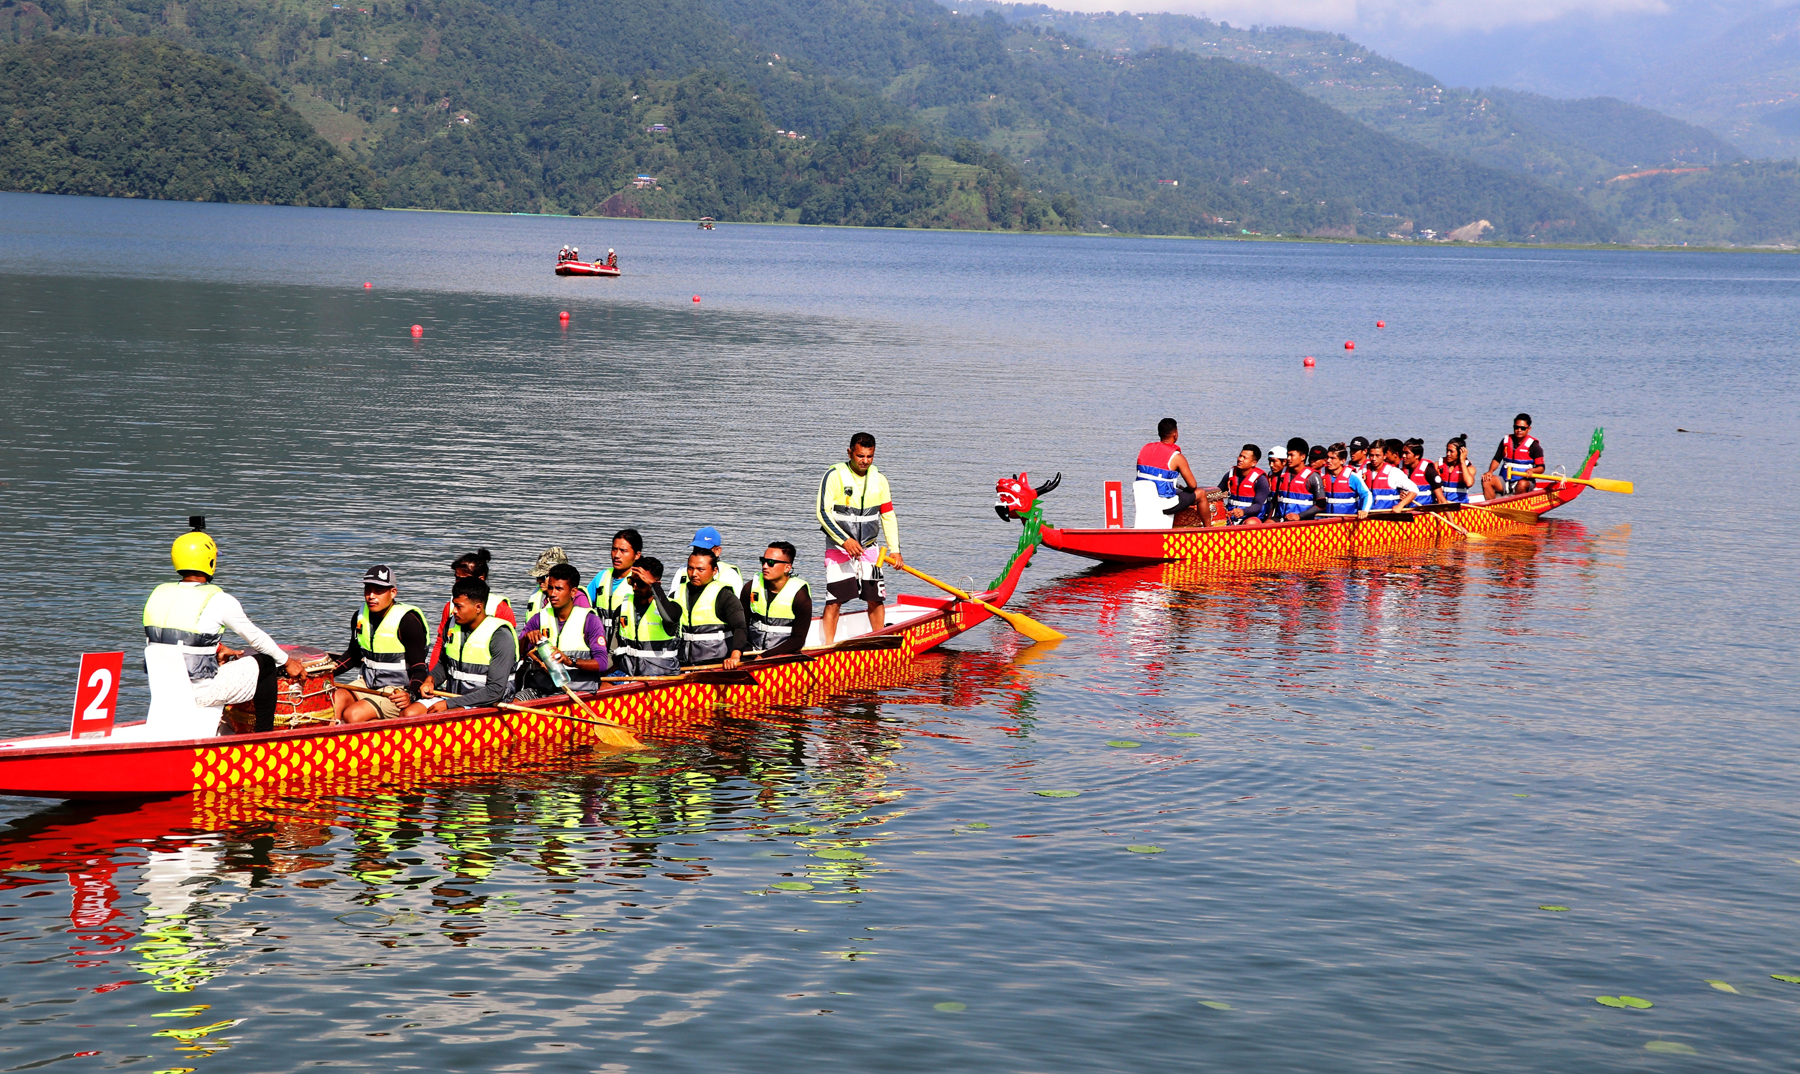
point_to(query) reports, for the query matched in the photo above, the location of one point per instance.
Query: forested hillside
(144, 119)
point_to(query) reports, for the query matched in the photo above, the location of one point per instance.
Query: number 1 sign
(97, 695)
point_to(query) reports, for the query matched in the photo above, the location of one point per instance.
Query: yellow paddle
(1454, 526)
(1604, 484)
(1511, 514)
(1024, 624)
(613, 734)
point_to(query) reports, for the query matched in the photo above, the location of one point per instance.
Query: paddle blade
(1607, 484)
(1026, 625)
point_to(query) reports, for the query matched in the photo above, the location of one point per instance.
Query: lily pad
(1723, 987)
(977, 825)
(1788, 977)
(1216, 1005)
(1669, 1047)
(1521, 796)
(1182, 734)
(643, 758)
(1623, 1001)
(792, 885)
(839, 854)
(1123, 744)
(799, 829)
(1144, 848)
(952, 1007)
(1058, 794)
(1553, 908)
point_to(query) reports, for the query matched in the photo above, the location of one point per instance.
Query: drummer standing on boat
(191, 616)
(1155, 492)
(855, 509)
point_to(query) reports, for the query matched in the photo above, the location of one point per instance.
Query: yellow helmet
(195, 551)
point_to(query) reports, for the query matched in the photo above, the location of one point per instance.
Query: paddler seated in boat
(1392, 488)
(577, 638)
(1346, 493)
(1359, 457)
(646, 632)
(562, 254)
(1299, 493)
(1423, 471)
(471, 565)
(1456, 471)
(778, 604)
(611, 588)
(713, 630)
(855, 509)
(1157, 497)
(480, 654)
(1516, 462)
(390, 644)
(191, 616)
(1276, 464)
(540, 573)
(612, 259)
(1246, 488)
(708, 539)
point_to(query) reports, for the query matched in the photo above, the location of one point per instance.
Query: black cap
(380, 576)
(1359, 444)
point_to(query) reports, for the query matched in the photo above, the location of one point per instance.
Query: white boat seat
(173, 713)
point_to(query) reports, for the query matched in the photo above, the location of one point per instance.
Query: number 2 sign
(97, 695)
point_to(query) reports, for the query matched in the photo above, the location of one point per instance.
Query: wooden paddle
(1511, 514)
(613, 734)
(1024, 624)
(1604, 484)
(1454, 526)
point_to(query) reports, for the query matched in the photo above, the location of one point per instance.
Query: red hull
(470, 738)
(584, 268)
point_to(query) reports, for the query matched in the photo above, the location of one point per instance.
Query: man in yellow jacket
(856, 511)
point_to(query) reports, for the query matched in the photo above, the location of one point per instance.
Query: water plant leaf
(791, 885)
(977, 824)
(1634, 1001)
(951, 1007)
(1123, 744)
(1552, 907)
(1216, 1005)
(1609, 1001)
(839, 854)
(1788, 977)
(1182, 734)
(643, 758)
(1144, 848)
(1669, 1047)
(1723, 987)
(1058, 794)
(1521, 796)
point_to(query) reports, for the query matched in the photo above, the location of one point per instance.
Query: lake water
(1365, 778)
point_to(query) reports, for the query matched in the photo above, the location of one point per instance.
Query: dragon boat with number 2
(132, 763)
(1327, 536)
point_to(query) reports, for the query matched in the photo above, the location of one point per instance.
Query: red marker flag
(97, 695)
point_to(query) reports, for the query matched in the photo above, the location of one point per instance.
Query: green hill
(144, 119)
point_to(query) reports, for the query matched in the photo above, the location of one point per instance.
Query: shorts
(859, 579)
(385, 709)
(233, 685)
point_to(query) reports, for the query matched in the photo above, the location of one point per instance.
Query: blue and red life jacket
(1156, 463)
(1242, 496)
(1294, 497)
(1340, 494)
(1387, 497)
(1448, 473)
(1516, 461)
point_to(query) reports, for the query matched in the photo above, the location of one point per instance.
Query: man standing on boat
(856, 510)
(1516, 461)
(479, 655)
(1158, 498)
(190, 616)
(389, 642)
(1246, 488)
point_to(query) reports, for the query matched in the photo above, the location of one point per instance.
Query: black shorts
(873, 590)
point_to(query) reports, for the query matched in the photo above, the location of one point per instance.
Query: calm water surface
(1364, 778)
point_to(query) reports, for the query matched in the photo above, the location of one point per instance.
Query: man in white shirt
(191, 616)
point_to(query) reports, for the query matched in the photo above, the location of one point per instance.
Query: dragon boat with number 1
(1327, 536)
(131, 763)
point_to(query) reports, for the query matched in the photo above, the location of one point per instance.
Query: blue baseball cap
(708, 537)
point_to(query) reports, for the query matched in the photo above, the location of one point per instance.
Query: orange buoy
(418, 330)
(1349, 344)
(1308, 361)
(367, 285)
(1380, 324)
(696, 298)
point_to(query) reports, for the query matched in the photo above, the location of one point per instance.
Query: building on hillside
(1168, 182)
(644, 182)
(657, 128)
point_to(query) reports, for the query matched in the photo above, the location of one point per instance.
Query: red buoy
(1308, 362)
(563, 316)
(367, 285)
(1380, 324)
(1349, 344)
(418, 330)
(696, 298)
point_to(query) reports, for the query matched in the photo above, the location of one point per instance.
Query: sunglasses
(1518, 428)
(767, 562)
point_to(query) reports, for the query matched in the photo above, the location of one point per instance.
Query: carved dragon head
(1016, 496)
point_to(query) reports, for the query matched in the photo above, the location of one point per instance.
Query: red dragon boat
(1326, 537)
(128, 766)
(585, 268)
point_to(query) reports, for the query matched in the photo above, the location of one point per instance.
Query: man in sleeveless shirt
(1157, 496)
